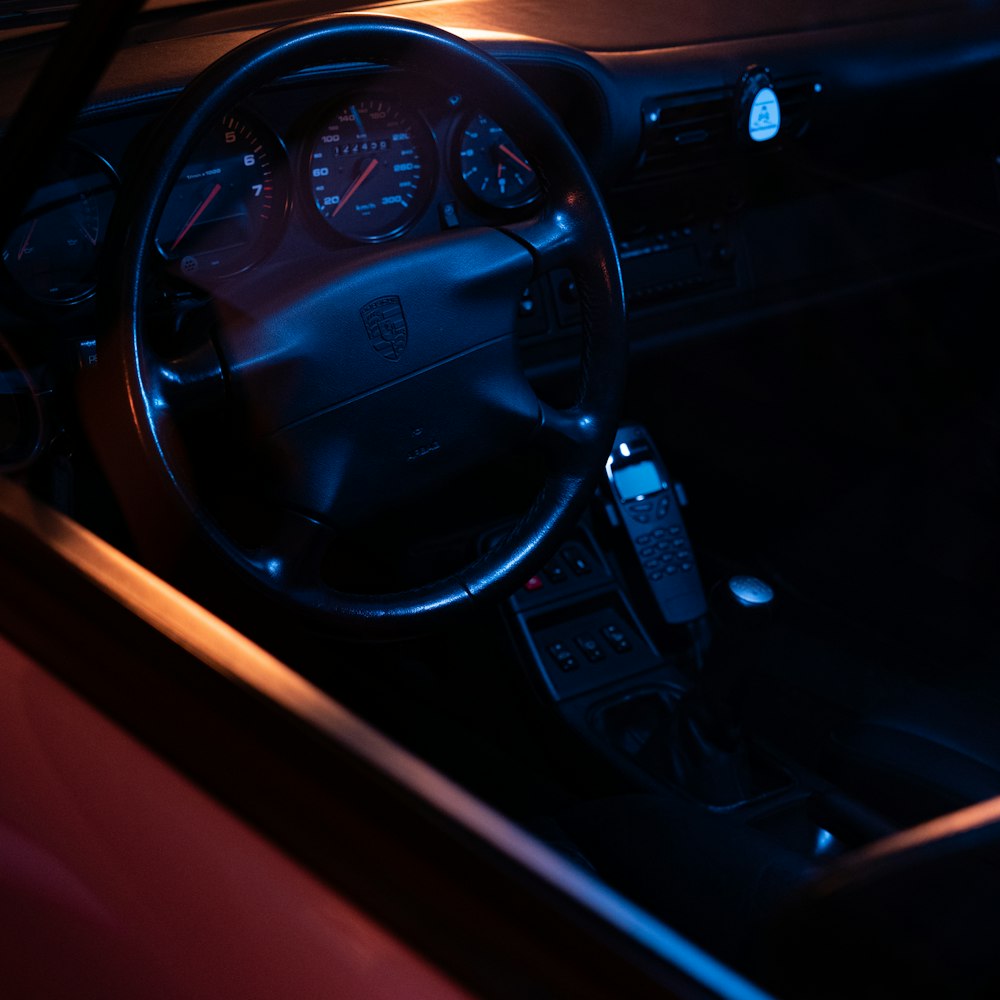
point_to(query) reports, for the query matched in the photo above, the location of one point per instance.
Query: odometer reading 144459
(368, 169)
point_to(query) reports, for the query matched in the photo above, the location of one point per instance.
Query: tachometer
(369, 169)
(228, 202)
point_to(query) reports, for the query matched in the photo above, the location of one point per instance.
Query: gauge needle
(517, 159)
(196, 215)
(358, 181)
(362, 134)
(92, 240)
(27, 240)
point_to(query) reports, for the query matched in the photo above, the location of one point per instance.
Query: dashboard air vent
(686, 132)
(692, 132)
(796, 95)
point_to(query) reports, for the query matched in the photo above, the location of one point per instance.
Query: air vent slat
(690, 138)
(796, 95)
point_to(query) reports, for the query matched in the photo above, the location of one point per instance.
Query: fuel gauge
(52, 254)
(492, 167)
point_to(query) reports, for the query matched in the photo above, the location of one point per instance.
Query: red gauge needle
(92, 240)
(517, 159)
(196, 215)
(358, 181)
(27, 240)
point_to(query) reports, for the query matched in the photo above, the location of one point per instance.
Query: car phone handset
(647, 503)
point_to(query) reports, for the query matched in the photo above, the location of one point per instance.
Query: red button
(535, 583)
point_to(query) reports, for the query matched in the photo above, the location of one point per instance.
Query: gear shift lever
(699, 747)
(741, 606)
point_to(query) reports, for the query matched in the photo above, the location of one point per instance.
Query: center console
(645, 666)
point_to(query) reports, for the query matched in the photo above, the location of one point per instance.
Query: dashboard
(715, 230)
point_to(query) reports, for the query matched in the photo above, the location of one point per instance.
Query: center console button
(563, 656)
(578, 560)
(616, 637)
(590, 647)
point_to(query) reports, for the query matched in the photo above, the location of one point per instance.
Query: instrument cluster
(362, 168)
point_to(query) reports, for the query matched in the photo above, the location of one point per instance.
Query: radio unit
(672, 263)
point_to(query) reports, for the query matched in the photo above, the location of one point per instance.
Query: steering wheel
(342, 423)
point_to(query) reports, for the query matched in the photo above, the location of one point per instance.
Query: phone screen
(640, 479)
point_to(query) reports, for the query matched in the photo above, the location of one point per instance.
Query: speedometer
(370, 169)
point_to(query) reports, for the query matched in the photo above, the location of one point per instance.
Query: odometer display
(368, 169)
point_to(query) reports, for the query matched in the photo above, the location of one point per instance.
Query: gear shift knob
(749, 591)
(741, 603)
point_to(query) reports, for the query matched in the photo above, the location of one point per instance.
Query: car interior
(603, 402)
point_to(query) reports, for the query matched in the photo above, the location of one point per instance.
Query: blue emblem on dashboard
(765, 115)
(386, 326)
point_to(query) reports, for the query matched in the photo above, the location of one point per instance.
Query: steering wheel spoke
(297, 552)
(190, 382)
(564, 434)
(553, 239)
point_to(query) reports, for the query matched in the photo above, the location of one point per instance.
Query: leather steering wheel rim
(146, 465)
